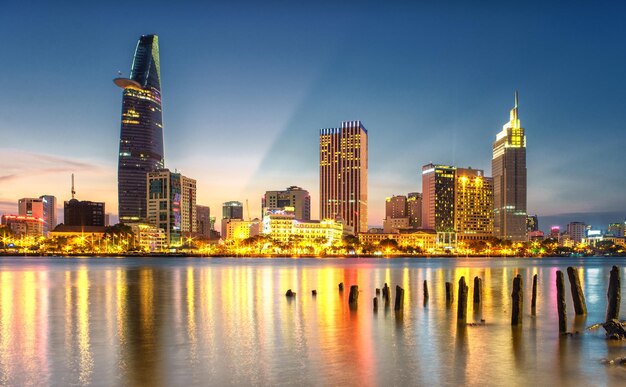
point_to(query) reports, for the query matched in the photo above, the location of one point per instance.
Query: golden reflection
(191, 314)
(121, 292)
(6, 319)
(82, 309)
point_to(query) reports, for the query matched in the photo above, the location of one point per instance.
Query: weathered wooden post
(533, 301)
(377, 291)
(613, 295)
(314, 292)
(580, 306)
(461, 312)
(341, 286)
(399, 299)
(560, 301)
(425, 292)
(449, 293)
(478, 290)
(354, 296)
(517, 296)
(290, 294)
(375, 304)
(386, 295)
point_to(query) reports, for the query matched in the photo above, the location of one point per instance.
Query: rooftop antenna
(73, 192)
(247, 210)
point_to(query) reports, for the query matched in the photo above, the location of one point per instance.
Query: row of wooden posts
(517, 295)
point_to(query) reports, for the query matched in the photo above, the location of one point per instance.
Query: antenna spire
(73, 192)
(516, 96)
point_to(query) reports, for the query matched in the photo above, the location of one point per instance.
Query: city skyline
(269, 95)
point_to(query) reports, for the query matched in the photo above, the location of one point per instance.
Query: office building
(203, 222)
(343, 174)
(508, 168)
(32, 207)
(188, 215)
(473, 205)
(282, 226)
(23, 226)
(293, 196)
(230, 210)
(438, 183)
(396, 217)
(166, 202)
(414, 209)
(49, 213)
(141, 134)
(532, 223)
(576, 231)
(83, 213)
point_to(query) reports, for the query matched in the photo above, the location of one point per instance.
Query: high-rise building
(166, 203)
(617, 229)
(396, 217)
(141, 135)
(473, 205)
(438, 183)
(32, 207)
(532, 223)
(293, 196)
(508, 168)
(414, 209)
(203, 221)
(83, 213)
(188, 206)
(22, 225)
(576, 231)
(343, 174)
(230, 210)
(49, 213)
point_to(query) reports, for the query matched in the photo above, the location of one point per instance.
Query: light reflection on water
(227, 321)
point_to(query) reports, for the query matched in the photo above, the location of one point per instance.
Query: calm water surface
(202, 321)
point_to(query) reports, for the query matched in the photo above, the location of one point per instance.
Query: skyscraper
(141, 135)
(49, 213)
(508, 167)
(438, 182)
(343, 174)
(83, 213)
(414, 209)
(473, 205)
(230, 210)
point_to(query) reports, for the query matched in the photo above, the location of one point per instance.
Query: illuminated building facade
(438, 183)
(26, 226)
(83, 213)
(424, 239)
(293, 196)
(396, 216)
(282, 226)
(149, 238)
(473, 208)
(532, 223)
(576, 231)
(414, 209)
(165, 203)
(508, 167)
(343, 174)
(238, 229)
(616, 229)
(141, 134)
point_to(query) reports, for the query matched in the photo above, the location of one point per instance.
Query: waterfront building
(166, 202)
(282, 226)
(508, 168)
(23, 226)
(188, 215)
(396, 214)
(83, 213)
(555, 232)
(141, 133)
(49, 213)
(293, 196)
(473, 205)
(617, 229)
(343, 174)
(414, 209)
(32, 207)
(149, 238)
(230, 210)
(239, 229)
(576, 231)
(438, 184)
(424, 239)
(203, 222)
(532, 223)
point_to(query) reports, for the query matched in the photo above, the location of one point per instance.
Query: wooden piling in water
(580, 306)
(341, 286)
(461, 312)
(613, 295)
(314, 292)
(560, 301)
(517, 296)
(533, 301)
(425, 290)
(354, 295)
(478, 290)
(377, 291)
(386, 295)
(449, 292)
(290, 294)
(399, 299)
(375, 304)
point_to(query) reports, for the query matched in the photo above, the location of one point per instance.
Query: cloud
(7, 178)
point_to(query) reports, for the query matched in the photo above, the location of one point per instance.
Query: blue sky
(246, 88)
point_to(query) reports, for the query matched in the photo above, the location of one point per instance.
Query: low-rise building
(424, 239)
(26, 226)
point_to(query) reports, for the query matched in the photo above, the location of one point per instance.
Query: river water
(226, 321)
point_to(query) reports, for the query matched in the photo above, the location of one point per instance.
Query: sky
(246, 87)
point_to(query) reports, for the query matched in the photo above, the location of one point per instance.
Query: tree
(388, 244)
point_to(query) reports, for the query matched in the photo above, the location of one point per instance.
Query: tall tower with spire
(508, 168)
(141, 134)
